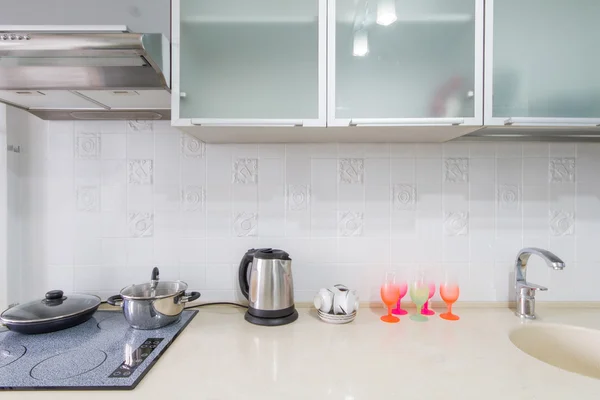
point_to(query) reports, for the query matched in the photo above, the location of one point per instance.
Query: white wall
(3, 210)
(26, 198)
(139, 15)
(106, 201)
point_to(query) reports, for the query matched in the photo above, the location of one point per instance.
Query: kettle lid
(271, 254)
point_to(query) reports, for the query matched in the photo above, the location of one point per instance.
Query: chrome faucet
(526, 291)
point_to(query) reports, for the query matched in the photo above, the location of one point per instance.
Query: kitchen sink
(570, 348)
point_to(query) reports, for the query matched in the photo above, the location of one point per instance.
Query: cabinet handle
(406, 121)
(247, 122)
(591, 122)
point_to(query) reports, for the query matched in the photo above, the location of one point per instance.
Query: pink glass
(398, 310)
(426, 310)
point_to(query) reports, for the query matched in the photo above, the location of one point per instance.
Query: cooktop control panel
(135, 357)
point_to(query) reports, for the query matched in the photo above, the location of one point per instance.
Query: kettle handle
(243, 273)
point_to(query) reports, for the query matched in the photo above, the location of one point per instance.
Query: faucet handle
(527, 289)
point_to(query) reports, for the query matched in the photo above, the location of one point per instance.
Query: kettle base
(288, 319)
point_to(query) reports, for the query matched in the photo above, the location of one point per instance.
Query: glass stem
(389, 311)
(450, 308)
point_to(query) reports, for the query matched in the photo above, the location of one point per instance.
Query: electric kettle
(265, 277)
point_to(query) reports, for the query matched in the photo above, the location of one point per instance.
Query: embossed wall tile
(141, 224)
(351, 223)
(193, 198)
(245, 224)
(298, 197)
(141, 172)
(509, 197)
(192, 147)
(456, 170)
(456, 223)
(562, 223)
(87, 145)
(245, 170)
(404, 196)
(562, 170)
(351, 170)
(140, 126)
(88, 198)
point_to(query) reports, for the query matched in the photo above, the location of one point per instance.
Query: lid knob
(54, 295)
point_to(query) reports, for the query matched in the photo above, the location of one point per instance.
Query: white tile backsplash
(121, 197)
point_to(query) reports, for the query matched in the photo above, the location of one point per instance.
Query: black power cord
(219, 303)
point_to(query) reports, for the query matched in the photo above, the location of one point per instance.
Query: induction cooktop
(103, 353)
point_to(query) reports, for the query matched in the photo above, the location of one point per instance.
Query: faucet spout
(523, 257)
(525, 291)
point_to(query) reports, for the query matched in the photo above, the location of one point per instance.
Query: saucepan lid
(146, 291)
(54, 306)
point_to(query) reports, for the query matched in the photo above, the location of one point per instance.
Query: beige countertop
(221, 356)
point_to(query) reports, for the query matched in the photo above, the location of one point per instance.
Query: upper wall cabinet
(249, 62)
(405, 62)
(542, 63)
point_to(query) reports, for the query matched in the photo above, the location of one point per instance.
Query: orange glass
(449, 293)
(390, 293)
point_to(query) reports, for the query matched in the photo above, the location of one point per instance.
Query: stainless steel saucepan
(154, 304)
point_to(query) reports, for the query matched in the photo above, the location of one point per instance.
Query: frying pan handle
(116, 300)
(243, 273)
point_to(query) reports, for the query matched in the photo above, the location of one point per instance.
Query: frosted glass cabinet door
(250, 62)
(543, 65)
(405, 62)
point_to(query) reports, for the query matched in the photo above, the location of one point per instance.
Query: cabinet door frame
(476, 120)
(176, 94)
(489, 118)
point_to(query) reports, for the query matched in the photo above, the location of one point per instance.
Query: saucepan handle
(116, 300)
(189, 297)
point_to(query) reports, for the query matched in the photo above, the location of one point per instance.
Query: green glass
(419, 294)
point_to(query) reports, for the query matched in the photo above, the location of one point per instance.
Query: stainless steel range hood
(85, 72)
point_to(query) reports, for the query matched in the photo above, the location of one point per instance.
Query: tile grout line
(205, 161)
(285, 192)
(469, 264)
(575, 197)
(497, 204)
(390, 205)
(443, 188)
